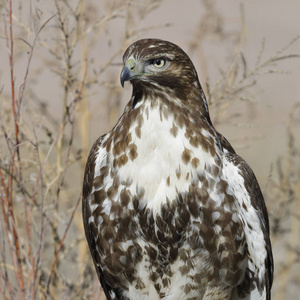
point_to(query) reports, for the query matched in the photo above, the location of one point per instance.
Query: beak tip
(125, 75)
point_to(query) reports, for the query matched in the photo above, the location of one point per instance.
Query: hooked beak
(128, 72)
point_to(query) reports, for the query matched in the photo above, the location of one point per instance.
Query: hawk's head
(157, 66)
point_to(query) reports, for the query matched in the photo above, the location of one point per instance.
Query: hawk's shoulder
(90, 167)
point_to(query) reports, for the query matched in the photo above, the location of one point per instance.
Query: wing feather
(250, 183)
(89, 176)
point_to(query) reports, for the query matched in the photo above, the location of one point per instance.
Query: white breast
(159, 168)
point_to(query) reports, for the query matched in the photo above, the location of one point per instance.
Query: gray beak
(129, 71)
(125, 75)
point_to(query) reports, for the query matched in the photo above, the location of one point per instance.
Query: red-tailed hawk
(170, 210)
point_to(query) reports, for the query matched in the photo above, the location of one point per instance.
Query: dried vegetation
(58, 84)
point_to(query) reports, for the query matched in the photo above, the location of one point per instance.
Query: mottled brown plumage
(170, 210)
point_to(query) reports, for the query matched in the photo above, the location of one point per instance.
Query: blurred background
(60, 90)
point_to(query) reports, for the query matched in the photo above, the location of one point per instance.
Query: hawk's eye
(158, 62)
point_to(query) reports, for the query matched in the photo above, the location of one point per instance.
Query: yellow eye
(158, 62)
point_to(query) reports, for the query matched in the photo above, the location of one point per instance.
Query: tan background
(262, 121)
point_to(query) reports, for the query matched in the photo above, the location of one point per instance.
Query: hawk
(170, 210)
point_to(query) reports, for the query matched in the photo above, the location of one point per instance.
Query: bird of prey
(170, 210)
